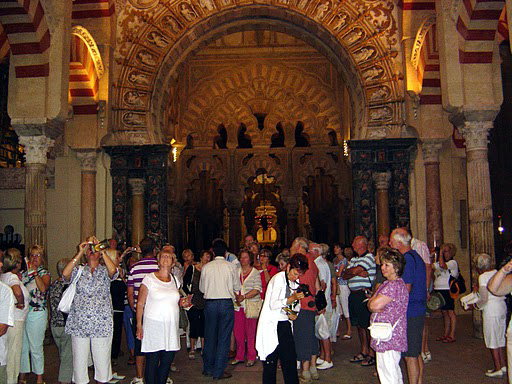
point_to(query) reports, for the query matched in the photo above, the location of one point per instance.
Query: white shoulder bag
(382, 331)
(69, 294)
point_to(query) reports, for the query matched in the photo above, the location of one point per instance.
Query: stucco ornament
(143, 4)
(420, 39)
(340, 21)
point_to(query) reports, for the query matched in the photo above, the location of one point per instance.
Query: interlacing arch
(205, 163)
(26, 36)
(283, 94)
(359, 37)
(85, 70)
(322, 161)
(261, 162)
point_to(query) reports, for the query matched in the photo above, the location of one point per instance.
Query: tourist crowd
(284, 310)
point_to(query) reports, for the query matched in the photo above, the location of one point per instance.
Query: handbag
(183, 318)
(252, 308)
(69, 294)
(457, 286)
(382, 331)
(320, 300)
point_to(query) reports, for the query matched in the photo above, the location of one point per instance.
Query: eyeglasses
(36, 255)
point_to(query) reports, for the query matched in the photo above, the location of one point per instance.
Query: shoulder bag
(252, 308)
(69, 294)
(382, 331)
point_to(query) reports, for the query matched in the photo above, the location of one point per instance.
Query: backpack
(457, 286)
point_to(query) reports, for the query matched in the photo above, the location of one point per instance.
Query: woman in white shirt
(494, 313)
(274, 338)
(443, 269)
(158, 319)
(12, 265)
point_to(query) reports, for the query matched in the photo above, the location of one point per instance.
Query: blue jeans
(219, 319)
(127, 319)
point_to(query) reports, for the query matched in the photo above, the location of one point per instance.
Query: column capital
(137, 186)
(476, 133)
(382, 180)
(87, 159)
(36, 148)
(430, 149)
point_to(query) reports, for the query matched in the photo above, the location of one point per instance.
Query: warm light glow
(173, 140)
(501, 230)
(174, 154)
(345, 148)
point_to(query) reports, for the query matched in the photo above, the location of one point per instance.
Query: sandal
(192, 355)
(347, 337)
(250, 363)
(235, 362)
(358, 358)
(441, 338)
(368, 362)
(449, 340)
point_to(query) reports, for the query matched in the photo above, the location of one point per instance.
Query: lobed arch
(360, 39)
(209, 164)
(86, 69)
(322, 161)
(260, 162)
(25, 35)
(282, 93)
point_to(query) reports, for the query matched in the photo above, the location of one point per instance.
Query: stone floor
(464, 361)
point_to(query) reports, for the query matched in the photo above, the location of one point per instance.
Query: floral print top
(57, 319)
(37, 298)
(91, 311)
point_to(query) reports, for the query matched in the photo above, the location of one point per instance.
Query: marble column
(88, 197)
(382, 181)
(434, 209)
(235, 228)
(481, 234)
(36, 151)
(137, 188)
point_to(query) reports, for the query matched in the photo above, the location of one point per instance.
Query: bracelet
(74, 261)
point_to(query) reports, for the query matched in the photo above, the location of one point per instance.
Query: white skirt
(494, 331)
(160, 336)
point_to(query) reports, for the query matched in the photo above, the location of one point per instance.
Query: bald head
(360, 245)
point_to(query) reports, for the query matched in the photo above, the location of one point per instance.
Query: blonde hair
(38, 249)
(11, 259)
(173, 256)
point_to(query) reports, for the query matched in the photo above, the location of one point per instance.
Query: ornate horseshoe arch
(359, 38)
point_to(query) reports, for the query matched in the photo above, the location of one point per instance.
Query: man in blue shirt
(414, 277)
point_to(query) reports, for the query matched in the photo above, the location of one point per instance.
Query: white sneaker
(137, 380)
(426, 356)
(117, 376)
(504, 369)
(319, 361)
(491, 373)
(169, 381)
(326, 365)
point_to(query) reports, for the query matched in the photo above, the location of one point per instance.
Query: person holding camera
(274, 337)
(90, 321)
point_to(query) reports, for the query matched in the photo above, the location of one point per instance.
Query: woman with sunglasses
(274, 337)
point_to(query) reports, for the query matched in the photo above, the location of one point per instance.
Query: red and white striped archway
(86, 68)
(428, 70)
(25, 35)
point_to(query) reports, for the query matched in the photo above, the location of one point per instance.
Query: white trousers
(14, 344)
(388, 367)
(509, 351)
(100, 347)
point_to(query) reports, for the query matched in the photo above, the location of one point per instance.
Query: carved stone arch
(322, 161)
(206, 163)
(261, 162)
(283, 94)
(338, 31)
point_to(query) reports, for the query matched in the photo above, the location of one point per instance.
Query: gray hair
(302, 242)
(484, 262)
(403, 237)
(325, 249)
(283, 256)
(61, 264)
(316, 247)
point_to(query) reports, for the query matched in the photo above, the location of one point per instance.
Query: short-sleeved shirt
(6, 317)
(422, 249)
(37, 298)
(10, 279)
(495, 306)
(309, 278)
(139, 270)
(442, 276)
(337, 266)
(324, 273)
(416, 275)
(91, 310)
(272, 271)
(367, 262)
(393, 312)
(57, 319)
